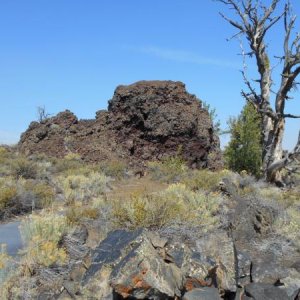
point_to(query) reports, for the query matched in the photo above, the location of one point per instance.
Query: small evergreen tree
(244, 151)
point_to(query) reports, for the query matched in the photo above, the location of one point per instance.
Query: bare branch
(233, 23)
(291, 116)
(269, 11)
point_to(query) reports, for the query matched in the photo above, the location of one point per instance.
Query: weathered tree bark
(254, 21)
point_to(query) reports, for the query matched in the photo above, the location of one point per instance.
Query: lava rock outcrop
(147, 120)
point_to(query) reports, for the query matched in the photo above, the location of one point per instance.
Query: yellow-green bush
(44, 193)
(5, 259)
(204, 179)
(82, 188)
(76, 213)
(42, 233)
(61, 165)
(23, 168)
(7, 195)
(3, 154)
(6, 264)
(177, 204)
(113, 168)
(169, 169)
(145, 211)
(286, 197)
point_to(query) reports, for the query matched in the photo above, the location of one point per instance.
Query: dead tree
(42, 114)
(253, 21)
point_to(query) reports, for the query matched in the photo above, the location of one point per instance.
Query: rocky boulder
(147, 120)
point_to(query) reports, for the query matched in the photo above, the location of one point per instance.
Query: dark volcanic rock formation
(147, 120)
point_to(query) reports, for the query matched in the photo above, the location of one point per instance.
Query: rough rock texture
(145, 121)
(147, 265)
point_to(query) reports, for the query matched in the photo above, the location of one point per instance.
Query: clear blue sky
(71, 54)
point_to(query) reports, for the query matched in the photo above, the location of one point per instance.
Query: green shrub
(244, 151)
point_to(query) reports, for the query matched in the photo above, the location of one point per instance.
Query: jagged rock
(219, 247)
(137, 268)
(202, 294)
(207, 260)
(251, 219)
(243, 268)
(262, 291)
(145, 121)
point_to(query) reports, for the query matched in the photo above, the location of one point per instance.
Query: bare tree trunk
(273, 151)
(254, 21)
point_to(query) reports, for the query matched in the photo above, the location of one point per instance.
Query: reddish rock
(147, 120)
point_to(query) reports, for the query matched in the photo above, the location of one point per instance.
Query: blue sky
(71, 54)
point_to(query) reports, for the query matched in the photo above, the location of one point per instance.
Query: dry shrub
(289, 225)
(176, 204)
(41, 192)
(61, 165)
(286, 198)
(4, 155)
(113, 168)
(81, 187)
(170, 169)
(76, 214)
(204, 179)
(23, 168)
(7, 196)
(42, 234)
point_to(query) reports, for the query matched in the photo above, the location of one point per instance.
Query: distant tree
(244, 151)
(213, 117)
(253, 20)
(42, 114)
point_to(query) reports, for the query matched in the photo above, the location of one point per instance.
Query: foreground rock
(146, 265)
(145, 121)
